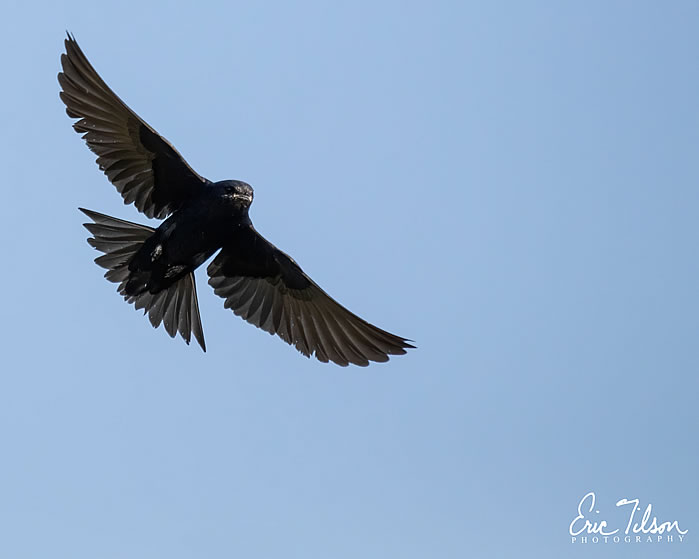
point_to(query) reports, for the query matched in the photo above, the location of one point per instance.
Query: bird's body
(189, 237)
(154, 268)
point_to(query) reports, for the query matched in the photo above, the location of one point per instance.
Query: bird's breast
(198, 233)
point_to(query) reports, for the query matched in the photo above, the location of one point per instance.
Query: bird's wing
(267, 288)
(176, 307)
(145, 168)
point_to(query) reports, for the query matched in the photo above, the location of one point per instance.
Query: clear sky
(511, 185)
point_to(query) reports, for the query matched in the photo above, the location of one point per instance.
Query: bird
(154, 268)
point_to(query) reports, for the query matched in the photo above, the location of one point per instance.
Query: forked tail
(176, 307)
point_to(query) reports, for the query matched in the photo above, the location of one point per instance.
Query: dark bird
(155, 267)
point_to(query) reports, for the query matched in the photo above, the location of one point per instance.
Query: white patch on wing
(157, 251)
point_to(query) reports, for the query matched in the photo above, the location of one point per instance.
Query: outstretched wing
(267, 288)
(176, 307)
(145, 168)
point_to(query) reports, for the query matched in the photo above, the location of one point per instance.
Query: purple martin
(154, 268)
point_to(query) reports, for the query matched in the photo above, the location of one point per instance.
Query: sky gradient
(511, 185)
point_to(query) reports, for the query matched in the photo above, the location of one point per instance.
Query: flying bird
(154, 268)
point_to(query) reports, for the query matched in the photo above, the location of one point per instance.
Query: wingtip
(200, 341)
(90, 214)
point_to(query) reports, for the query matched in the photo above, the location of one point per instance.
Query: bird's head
(238, 192)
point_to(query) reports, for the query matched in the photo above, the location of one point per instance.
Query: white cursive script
(647, 525)
(643, 527)
(590, 527)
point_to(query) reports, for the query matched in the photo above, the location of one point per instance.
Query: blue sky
(511, 185)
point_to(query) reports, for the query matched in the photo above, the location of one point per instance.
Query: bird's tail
(176, 307)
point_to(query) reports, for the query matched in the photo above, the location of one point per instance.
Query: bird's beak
(245, 197)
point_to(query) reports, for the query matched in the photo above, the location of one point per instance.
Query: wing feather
(265, 287)
(143, 166)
